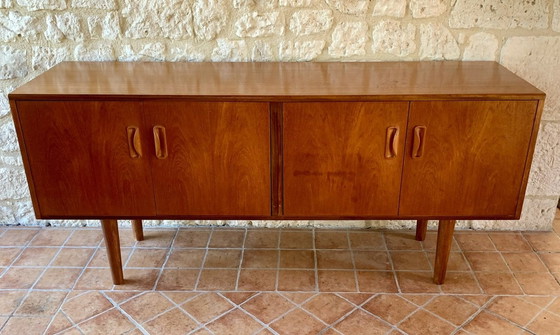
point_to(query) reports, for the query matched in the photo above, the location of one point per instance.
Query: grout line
(203, 260)
(128, 316)
(507, 264)
(167, 255)
(390, 258)
(314, 244)
(240, 260)
(353, 262)
(543, 309)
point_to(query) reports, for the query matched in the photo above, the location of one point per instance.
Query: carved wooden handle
(160, 142)
(418, 142)
(134, 144)
(391, 142)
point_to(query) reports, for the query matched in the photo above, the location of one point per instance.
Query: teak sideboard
(275, 141)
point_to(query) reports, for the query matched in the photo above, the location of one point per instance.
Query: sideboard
(275, 141)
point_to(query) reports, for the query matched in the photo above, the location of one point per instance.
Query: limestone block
(255, 24)
(146, 52)
(537, 214)
(7, 216)
(262, 52)
(4, 104)
(537, 60)
(42, 4)
(395, 8)
(13, 184)
(482, 46)
(307, 22)
(96, 52)
(13, 62)
(106, 27)
(437, 43)
(44, 58)
(210, 17)
(100, 4)
(545, 171)
(11, 160)
(14, 25)
(186, 54)
(6, 3)
(154, 19)
(353, 7)
(255, 4)
(556, 18)
(348, 39)
(290, 51)
(70, 25)
(499, 14)
(52, 32)
(297, 3)
(8, 138)
(24, 212)
(392, 37)
(427, 8)
(230, 50)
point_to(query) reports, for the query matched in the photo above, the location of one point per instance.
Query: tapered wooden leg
(137, 229)
(113, 245)
(444, 241)
(421, 228)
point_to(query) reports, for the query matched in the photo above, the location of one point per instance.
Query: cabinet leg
(137, 229)
(421, 228)
(113, 245)
(444, 241)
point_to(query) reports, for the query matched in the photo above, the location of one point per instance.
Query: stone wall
(523, 35)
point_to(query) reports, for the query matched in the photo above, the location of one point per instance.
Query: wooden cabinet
(410, 140)
(343, 159)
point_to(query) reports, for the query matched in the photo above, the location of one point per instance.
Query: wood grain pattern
(138, 230)
(334, 158)
(112, 243)
(473, 160)
(279, 81)
(79, 159)
(218, 159)
(443, 249)
(421, 229)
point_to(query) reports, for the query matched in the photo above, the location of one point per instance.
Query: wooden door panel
(472, 161)
(218, 159)
(334, 158)
(80, 160)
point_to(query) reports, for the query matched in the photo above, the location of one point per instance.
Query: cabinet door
(343, 159)
(80, 159)
(468, 160)
(217, 160)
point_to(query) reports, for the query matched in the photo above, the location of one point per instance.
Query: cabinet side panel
(218, 160)
(472, 159)
(80, 159)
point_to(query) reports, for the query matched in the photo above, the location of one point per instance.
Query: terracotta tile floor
(266, 281)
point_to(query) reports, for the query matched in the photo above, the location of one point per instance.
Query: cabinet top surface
(280, 81)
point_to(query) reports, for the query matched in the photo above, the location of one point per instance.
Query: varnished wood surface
(334, 158)
(280, 81)
(473, 160)
(218, 160)
(112, 243)
(138, 230)
(421, 229)
(443, 249)
(79, 159)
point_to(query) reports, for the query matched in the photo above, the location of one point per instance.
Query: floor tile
(486, 323)
(85, 238)
(25, 325)
(538, 283)
(257, 280)
(226, 258)
(238, 297)
(260, 259)
(370, 240)
(486, 261)
(192, 238)
(456, 262)
(147, 258)
(514, 309)
(296, 280)
(36, 257)
(92, 279)
(360, 322)
(100, 257)
(371, 260)
(109, 322)
(10, 300)
(157, 238)
(262, 239)
(452, 309)
(422, 322)
(296, 239)
(334, 259)
(59, 278)
(185, 258)
(7, 255)
(234, 322)
(376, 281)
(17, 236)
(461, 283)
(85, 306)
(41, 303)
(19, 278)
(524, 262)
(402, 241)
(298, 322)
(498, 283)
(328, 307)
(544, 241)
(268, 306)
(390, 307)
(223, 280)
(50, 237)
(207, 306)
(173, 322)
(545, 323)
(180, 297)
(410, 260)
(336, 281)
(417, 282)
(174, 279)
(227, 238)
(69, 257)
(475, 242)
(138, 279)
(509, 241)
(430, 243)
(59, 323)
(297, 259)
(331, 240)
(551, 260)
